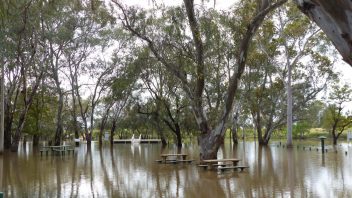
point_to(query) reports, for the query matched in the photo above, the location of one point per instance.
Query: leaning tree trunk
(18, 133)
(8, 127)
(28, 102)
(334, 18)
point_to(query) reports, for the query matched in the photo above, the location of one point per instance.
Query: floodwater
(131, 171)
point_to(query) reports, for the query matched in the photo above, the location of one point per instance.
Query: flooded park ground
(127, 170)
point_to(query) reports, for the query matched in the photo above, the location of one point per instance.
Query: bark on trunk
(333, 17)
(7, 132)
(112, 132)
(210, 144)
(35, 140)
(18, 133)
(28, 102)
(59, 129)
(178, 136)
(74, 116)
(101, 131)
(234, 135)
(161, 134)
(235, 126)
(289, 106)
(334, 138)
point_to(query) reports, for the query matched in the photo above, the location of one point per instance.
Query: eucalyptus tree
(81, 56)
(9, 17)
(191, 72)
(166, 96)
(87, 106)
(23, 38)
(119, 91)
(40, 122)
(298, 40)
(74, 62)
(336, 119)
(112, 111)
(278, 49)
(61, 24)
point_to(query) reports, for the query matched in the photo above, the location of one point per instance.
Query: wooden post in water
(322, 138)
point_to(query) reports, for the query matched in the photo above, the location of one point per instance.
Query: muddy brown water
(131, 171)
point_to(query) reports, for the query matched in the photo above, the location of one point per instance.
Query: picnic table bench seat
(203, 166)
(44, 149)
(223, 168)
(185, 161)
(223, 164)
(166, 161)
(70, 149)
(61, 151)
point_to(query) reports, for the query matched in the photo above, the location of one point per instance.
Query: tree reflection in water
(125, 171)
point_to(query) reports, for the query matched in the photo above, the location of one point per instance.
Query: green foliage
(300, 129)
(41, 117)
(74, 30)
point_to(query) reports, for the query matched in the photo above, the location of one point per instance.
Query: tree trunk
(234, 128)
(333, 17)
(289, 106)
(101, 131)
(89, 138)
(18, 133)
(334, 138)
(74, 117)
(35, 140)
(234, 134)
(2, 108)
(210, 144)
(59, 128)
(8, 127)
(22, 118)
(112, 131)
(178, 136)
(161, 133)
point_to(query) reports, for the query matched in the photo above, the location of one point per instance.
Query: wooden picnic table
(61, 149)
(177, 155)
(176, 158)
(219, 162)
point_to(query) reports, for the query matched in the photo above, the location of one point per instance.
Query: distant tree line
(73, 67)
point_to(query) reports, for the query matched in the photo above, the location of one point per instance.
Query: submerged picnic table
(221, 164)
(173, 158)
(61, 149)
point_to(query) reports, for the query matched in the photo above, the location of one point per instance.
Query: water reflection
(130, 171)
